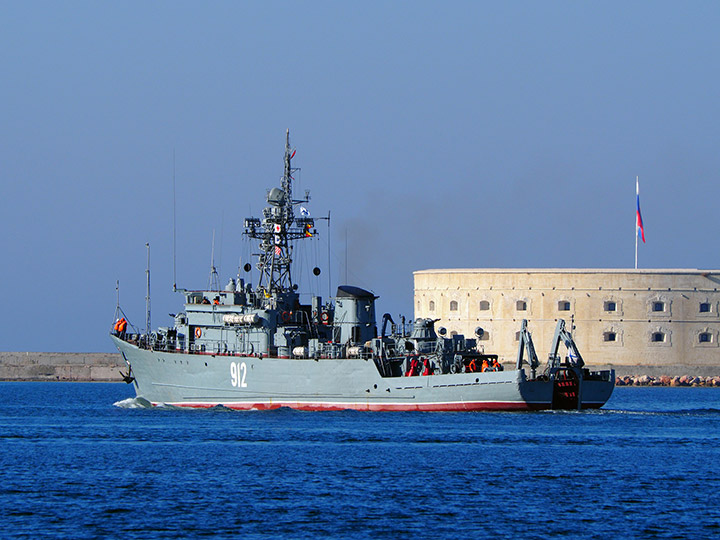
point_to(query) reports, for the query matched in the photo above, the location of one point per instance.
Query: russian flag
(639, 223)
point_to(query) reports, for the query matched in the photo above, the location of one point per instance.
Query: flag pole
(637, 194)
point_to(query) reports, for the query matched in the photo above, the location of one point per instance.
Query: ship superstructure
(259, 347)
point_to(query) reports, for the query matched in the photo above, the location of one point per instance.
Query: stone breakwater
(44, 366)
(666, 380)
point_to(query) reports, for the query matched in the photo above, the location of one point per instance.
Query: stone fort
(663, 318)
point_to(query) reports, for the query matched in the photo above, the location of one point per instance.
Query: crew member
(472, 366)
(485, 366)
(122, 326)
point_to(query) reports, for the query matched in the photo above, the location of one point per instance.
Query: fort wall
(637, 321)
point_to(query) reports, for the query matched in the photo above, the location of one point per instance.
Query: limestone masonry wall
(640, 322)
(47, 366)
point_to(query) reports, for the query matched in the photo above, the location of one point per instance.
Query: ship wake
(133, 403)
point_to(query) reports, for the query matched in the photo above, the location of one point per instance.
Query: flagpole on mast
(637, 194)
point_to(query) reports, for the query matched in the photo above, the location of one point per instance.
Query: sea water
(88, 461)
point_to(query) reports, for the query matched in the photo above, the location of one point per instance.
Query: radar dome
(276, 197)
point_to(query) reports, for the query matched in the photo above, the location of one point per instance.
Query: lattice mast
(276, 231)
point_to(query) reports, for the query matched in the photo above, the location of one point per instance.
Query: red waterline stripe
(319, 406)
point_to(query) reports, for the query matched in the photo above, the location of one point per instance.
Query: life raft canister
(198, 332)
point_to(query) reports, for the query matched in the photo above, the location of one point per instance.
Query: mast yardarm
(276, 231)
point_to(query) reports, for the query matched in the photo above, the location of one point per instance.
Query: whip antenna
(174, 230)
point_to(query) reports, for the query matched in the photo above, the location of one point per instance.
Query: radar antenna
(277, 229)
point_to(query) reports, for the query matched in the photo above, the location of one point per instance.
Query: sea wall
(47, 366)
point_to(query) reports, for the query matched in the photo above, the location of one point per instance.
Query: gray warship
(246, 347)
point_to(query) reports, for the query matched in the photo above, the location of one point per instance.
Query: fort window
(705, 337)
(658, 306)
(657, 337)
(609, 336)
(485, 336)
(517, 336)
(484, 305)
(453, 306)
(563, 305)
(705, 308)
(521, 305)
(610, 306)
(432, 305)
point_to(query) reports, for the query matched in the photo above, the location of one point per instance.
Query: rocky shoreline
(666, 380)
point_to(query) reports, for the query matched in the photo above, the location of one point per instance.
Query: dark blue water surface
(74, 465)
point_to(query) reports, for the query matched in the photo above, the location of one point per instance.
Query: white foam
(133, 403)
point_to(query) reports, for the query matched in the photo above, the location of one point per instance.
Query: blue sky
(438, 135)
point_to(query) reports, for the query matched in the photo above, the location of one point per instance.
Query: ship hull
(250, 382)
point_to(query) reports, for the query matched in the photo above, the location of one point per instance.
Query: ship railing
(208, 347)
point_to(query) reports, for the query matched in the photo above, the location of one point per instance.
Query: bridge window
(521, 305)
(657, 337)
(432, 305)
(610, 306)
(484, 305)
(705, 307)
(609, 336)
(563, 305)
(705, 337)
(658, 306)
(453, 305)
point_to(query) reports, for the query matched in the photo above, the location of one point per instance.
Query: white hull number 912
(238, 371)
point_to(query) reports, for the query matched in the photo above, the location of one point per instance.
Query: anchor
(127, 377)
